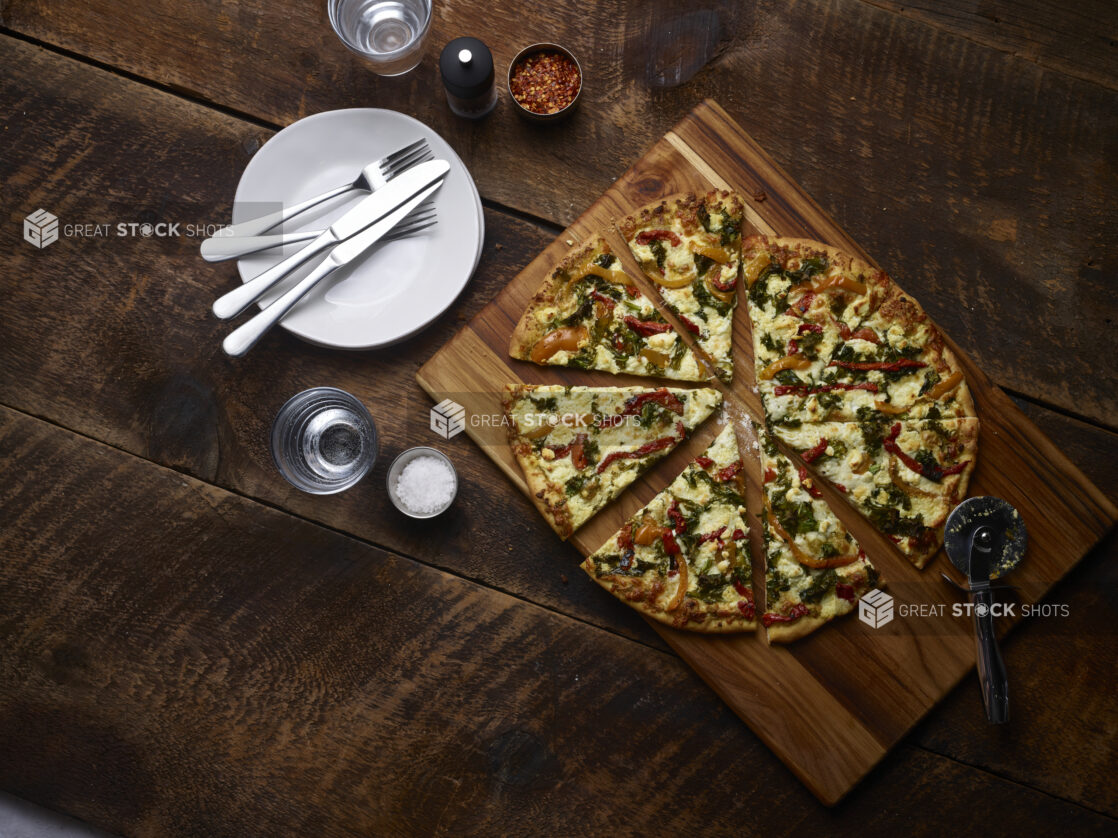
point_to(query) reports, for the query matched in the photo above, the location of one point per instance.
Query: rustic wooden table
(190, 646)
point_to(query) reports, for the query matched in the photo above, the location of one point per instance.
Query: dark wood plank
(177, 660)
(1063, 687)
(134, 358)
(1074, 38)
(923, 153)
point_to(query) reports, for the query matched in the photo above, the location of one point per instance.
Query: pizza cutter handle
(991, 668)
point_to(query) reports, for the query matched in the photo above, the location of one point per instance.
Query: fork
(372, 177)
(221, 248)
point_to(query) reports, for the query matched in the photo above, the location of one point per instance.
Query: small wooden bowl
(535, 49)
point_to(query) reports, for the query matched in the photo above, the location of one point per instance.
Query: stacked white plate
(397, 288)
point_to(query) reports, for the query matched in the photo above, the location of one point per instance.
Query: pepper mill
(467, 69)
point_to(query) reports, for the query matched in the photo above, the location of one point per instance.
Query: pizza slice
(690, 248)
(579, 447)
(588, 314)
(833, 337)
(815, 570)
(904, 476)
(684, 559)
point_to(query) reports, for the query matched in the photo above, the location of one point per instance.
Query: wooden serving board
(832, 704)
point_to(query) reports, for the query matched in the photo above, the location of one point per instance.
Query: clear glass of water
(390, 33)
(323, 440)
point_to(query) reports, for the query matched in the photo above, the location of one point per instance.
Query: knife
(245, 336)
(369, 210)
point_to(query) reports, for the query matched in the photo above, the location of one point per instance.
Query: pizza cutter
(985, 538)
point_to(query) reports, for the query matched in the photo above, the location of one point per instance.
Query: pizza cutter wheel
(985, 538)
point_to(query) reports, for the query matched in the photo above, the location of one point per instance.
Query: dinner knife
(368, 210)
(245, 336)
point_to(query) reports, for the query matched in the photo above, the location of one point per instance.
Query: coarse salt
(425, 485)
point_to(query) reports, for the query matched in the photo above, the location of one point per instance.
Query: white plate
(395, 289)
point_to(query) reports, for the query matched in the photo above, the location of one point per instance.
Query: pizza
(589, 314)
(815, 570)
(684, 558)
(580, 447)
(690, 248)
(835, 339)
(903, 475)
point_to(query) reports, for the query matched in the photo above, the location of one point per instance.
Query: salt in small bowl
(397, 468)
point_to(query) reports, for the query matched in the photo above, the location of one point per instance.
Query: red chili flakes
(545, 82)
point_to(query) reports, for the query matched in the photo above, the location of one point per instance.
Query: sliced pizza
(904, 476)
(690, 248)
(815, 570)
(833, 337)
(684, 559)
(588, 314)
(579, 447)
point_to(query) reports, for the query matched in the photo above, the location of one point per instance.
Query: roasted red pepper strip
(574, 448)
(769, 476)
(726, 285)
(815, 452)
(804, 478)
(842, 488)
(649, 236)
(884, 366)
(690, 325)
(625, 541)
(676, 517)
(602, 298)
(729, 472)
(705, 462)
(803, 304)
(807, 389)
(645, 327)
(935, 473)
(738, 535)
(662, 397)
(844, 592)
(671, 546)
(793, 347)
(809, 327)
(712, 536)
(798, 610)
(632, 290)
(647, 448)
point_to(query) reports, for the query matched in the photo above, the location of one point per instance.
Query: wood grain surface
(886, 117)
(968, 146)
(866, 688)
(280, 678)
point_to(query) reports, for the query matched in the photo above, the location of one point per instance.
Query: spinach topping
(710, 587)
(548, 405)
(796, 517)
(808, 268)
(788, 377)
(890, 521)
(872, 425)
(704, 217)
(930, 381)
(678, 351)
(605, 260)
(575, 484)
(702, 263)
(705, 298)
(821, 582)
(659, 251)
(774, 586)
(759, 291)
(731, 230)
(772, 344)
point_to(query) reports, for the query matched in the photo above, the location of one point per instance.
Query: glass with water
(390, 33)
(323, 440)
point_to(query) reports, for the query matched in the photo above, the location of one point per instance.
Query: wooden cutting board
(833, 704)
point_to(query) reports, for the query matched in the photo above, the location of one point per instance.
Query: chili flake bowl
(555, 89)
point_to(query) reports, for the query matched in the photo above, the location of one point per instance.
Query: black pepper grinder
(467, 68)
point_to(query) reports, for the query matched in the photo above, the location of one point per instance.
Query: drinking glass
(390, 33)
(323, 440)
